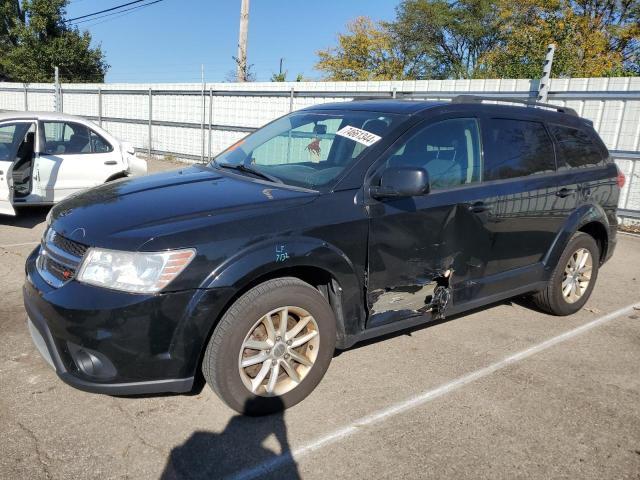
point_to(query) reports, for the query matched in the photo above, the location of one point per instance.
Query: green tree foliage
(593, 39)
(34, 38)
(282, 77)
(445, 39)
(366, 52)
(482, 38)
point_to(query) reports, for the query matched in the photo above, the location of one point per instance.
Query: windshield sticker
(358, 135)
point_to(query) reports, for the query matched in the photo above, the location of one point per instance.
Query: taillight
(621, 178)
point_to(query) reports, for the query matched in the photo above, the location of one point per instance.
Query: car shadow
(236, 449)
(26, 217)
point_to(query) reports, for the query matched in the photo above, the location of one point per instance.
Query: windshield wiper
(243, 168)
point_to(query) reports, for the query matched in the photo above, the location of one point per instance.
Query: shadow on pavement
(208, 455)
(26, 217)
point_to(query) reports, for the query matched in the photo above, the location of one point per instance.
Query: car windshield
(307, 149)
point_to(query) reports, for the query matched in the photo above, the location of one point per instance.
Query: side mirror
(402, 182)
(127, 147)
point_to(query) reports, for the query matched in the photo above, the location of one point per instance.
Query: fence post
(204, 112)
(543, 89)
(210, 120)
(150, 117)
(57, 90)
(291, 100)
(26, 97)
(100, 106)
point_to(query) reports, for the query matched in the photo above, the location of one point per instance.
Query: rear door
(11, 135)
(526, 201)
(73, 158)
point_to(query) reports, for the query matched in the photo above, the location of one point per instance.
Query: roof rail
(528, 103)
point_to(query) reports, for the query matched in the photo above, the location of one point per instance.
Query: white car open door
(11, 135)
(6, 188)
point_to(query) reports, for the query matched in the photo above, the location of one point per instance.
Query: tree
(443, 39)
(593, 38)
(366, 52)
(34, 38)
(282, 77)
(248, 75)
(489, 38)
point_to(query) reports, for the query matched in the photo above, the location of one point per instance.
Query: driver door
(417, 244)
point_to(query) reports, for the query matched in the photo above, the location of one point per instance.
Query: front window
(308, 149)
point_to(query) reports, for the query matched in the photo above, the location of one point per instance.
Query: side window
(576, 148)
(16, 140)
(62, 138)
(448, 150)
(516, 148)
(99, 144)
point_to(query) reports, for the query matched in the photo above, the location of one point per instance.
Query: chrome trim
(50, 252)
(61, 256)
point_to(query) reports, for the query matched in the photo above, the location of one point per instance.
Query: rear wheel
(573, 278)
(271, 348)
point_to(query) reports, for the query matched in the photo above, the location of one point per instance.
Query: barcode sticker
(358, 135)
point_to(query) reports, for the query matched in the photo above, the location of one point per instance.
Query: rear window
(516, 148)
(576, 148)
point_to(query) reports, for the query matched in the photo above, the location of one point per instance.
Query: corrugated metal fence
(196, 121)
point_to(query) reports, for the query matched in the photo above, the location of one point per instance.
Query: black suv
(328, 226)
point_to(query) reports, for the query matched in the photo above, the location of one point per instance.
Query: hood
(127, 213)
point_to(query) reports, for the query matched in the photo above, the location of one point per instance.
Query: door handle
(479, 207)
(564, 192)
(110, 162)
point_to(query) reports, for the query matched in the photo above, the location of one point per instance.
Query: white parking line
(8, 245)
(420, 399)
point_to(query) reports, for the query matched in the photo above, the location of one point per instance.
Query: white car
(45, 157)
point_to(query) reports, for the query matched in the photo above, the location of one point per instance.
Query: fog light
(91, 363)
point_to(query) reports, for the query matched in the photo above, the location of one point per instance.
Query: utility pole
(543, 89)
(242, 41)
(281, 60)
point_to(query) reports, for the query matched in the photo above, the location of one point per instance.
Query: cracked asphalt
(569, 411)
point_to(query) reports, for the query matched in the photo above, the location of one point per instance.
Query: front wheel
(271, 348)
(573, 278)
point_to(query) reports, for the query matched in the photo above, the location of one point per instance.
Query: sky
(168, 41)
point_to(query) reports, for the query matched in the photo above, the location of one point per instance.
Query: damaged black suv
(328, 226)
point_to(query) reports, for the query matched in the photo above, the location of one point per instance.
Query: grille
(58, 270)
(74, 248)
(59, 258)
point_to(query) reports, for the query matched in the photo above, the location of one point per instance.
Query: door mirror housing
(399, 182)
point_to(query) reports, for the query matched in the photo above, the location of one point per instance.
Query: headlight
(138, 272)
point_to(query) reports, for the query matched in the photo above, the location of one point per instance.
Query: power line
(107, 10)
(120, 13)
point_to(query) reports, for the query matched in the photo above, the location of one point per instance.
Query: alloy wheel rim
(577, 275)
(279, 351)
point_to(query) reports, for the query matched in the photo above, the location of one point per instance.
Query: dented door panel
(424, 252)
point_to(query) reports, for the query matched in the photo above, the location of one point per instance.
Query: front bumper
(117, 343)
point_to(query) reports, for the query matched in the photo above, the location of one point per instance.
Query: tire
(246, 322)
(552, 299)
